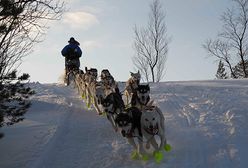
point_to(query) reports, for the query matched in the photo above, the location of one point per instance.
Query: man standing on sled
(72, 53)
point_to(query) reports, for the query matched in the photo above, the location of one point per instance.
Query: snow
(206, 125)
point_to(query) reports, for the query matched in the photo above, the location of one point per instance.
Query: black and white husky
(141, 97)
(129, 125)
(112, 105)
(143, 125)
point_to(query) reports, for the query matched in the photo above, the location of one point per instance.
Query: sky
(105, 30)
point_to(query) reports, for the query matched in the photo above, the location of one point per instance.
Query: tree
(151, 45)
(238, 69)
(222, 51)
(231, 45)
(13, 98)
(22, 24)
(221, 72)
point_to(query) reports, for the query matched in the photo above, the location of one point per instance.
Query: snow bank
(206, 124)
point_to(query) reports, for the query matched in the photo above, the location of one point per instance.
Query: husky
(131, 85)
(104, 74)
(79, 81)
(129, 125)
(152, 124)
(89, 79)
(96, 95)
(110, 85)
(112, 105)
(141, 97)
(90, 75)
(99, 93)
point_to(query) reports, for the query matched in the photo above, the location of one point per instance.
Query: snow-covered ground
(206, 125)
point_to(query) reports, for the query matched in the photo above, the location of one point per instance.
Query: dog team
(137, 119)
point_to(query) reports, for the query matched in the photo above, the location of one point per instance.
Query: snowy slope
(206, 125)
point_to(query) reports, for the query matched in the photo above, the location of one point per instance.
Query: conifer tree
(221, 72)
(238, 69)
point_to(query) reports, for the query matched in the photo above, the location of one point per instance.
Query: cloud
(80, 20)
(90, 45)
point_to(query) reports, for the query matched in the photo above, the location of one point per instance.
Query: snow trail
(206, 125)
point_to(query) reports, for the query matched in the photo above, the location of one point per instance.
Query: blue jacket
(65, 50)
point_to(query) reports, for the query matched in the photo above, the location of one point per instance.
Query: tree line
(21, 26)
(230, 47)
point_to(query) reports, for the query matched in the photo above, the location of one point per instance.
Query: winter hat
(72, 40)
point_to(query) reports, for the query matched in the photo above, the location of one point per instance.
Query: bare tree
(232, 43)
(222, 51)
(22, 24)
(142, 65)
(151, 45)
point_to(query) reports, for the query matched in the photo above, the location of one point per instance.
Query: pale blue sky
(105, 30)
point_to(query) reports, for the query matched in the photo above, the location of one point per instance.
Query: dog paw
(167, 147)
(134, 155)
(145, 157)
(158, 156)
(88, 105)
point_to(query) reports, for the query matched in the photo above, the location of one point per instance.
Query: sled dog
(128, 124)
(79, 81)
(89, 79)
(110, 85)
(152, 124)
(96, 95)
(91, 75)
(112, 105)
(99, 93)
(104, 74)
(131, 85)
(141, 97)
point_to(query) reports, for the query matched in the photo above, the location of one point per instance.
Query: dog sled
(71, 70)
